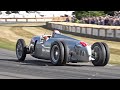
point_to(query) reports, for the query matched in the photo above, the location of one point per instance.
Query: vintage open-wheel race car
(61, 49)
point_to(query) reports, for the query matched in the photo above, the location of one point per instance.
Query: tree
(109, 13)
(80, 14)
(96, 13)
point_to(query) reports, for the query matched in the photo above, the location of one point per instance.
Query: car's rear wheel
(66, 53)
(21, 50)
(57, 53)
(99, 54)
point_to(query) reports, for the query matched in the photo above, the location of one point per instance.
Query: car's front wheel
(21, 50)
(99, 54)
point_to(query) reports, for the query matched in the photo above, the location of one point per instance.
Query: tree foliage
(109, 12)
(80, 14)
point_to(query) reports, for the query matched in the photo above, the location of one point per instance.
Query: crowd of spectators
(107, 20)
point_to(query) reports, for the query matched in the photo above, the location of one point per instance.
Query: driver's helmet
(55, 32)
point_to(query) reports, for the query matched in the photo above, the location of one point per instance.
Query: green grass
(114, 59)
(6, 44)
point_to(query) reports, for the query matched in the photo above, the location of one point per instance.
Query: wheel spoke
(96, 52)
(55, 53)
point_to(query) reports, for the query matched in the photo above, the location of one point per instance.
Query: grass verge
(6, 44)
(21, 32)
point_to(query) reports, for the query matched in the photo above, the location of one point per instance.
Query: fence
(88, 30)
(42, 19)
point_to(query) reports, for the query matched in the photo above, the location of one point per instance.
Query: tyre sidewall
(66, 52)
(22, 58)
(107, 53)
(61, 53)
(102, 54)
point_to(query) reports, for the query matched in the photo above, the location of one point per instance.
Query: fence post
(5, 20)
(26, 20)
(16, 20)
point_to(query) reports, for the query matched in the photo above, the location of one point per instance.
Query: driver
(45, 38)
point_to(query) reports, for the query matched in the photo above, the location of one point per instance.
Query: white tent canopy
(23, 14)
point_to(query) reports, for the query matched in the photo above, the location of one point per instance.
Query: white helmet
(55, 32)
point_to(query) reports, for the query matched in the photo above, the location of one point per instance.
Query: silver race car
(62, 49)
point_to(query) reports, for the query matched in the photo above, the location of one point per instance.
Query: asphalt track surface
(33, 68)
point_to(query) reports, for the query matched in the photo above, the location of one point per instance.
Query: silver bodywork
(40, 49)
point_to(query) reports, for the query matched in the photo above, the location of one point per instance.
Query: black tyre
(21, 50)
(57, 53)
(107, 54)
(66, 53)
(73, 62)
(99, 54)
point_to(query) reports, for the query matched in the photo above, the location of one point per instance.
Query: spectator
(67, 19)
(106, 20)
